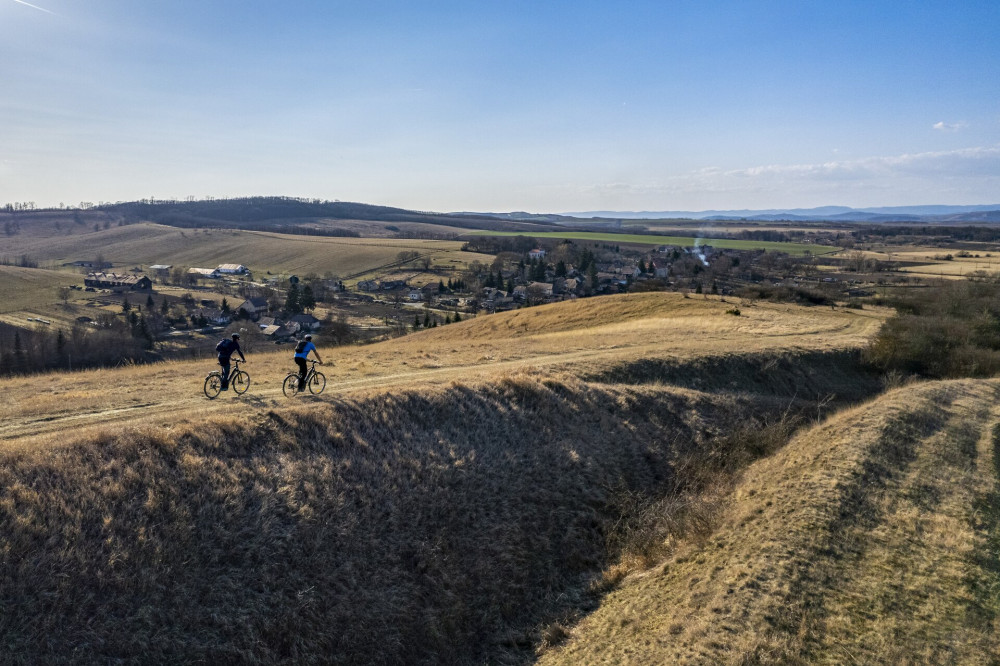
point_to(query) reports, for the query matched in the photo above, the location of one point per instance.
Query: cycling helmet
(309, 337)
(236, 336)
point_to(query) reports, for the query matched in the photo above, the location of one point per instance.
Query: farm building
(204, 272)
(232, 269)
(161, 270)
(117, 282)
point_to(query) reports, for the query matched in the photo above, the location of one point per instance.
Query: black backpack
(300, 346)
(225, 347)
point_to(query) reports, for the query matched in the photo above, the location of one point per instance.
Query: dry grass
(659, 329)
(859, 542)
(24, 288)
(461, 495)
(444, 524)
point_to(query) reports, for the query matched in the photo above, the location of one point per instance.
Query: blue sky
(489, 105)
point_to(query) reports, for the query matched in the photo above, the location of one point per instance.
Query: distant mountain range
(938, 214)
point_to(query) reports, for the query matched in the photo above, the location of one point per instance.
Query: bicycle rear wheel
(317, 383)
(290, 387)
(241, 382)
(213, 385)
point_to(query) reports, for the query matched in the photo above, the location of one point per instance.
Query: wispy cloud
(968, 172)
(949, 127)
(28, 4)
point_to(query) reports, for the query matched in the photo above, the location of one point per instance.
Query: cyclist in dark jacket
(226, 351)
(301, 354)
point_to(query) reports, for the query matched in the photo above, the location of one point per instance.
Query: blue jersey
(305, 352)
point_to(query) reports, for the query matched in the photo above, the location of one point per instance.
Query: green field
(682, 241)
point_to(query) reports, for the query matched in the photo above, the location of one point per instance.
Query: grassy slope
(869, 539)
(148, 243)
(437, 506)
(22, 288)
(620, 335)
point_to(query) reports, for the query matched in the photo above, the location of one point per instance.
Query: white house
(536, 254)
(211, 273)
(232, 269)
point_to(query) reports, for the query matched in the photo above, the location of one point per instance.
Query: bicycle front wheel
(290, 386)
(213, 385)
(317, 383)
(241, 382)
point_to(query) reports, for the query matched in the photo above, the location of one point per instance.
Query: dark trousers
(224, 362)
(302, 372)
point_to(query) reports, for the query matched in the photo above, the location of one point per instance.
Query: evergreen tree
(225, 306)
(510, 286)
(126, 306)
(458, 317)
(561, 269)
(308, 300)
(427, 320)
(149, 302)
(642, 266)
(441, 286)
(292, 303)
(592, 280)
(416, 322)
(164, 307)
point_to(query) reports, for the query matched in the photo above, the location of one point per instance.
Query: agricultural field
(146, 243)
(796, 249)
(22, 288)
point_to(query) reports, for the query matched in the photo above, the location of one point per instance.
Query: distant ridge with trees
(289, 214)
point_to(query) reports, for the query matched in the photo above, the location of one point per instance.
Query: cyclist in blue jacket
(302, 350)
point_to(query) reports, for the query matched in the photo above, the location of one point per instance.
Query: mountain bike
(239, 380)
(315, 380)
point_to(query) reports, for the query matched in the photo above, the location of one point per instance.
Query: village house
(305, 322)
(116, 282)
(278, 333)
(389, 285)
(543, 288)
(161, 270)
(368, 285)
(537, 253)
(660, 269)
(264, 322)
(211, 316)
(415, 295)
(254, 306)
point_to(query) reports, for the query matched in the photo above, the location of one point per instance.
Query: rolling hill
(591, 480)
